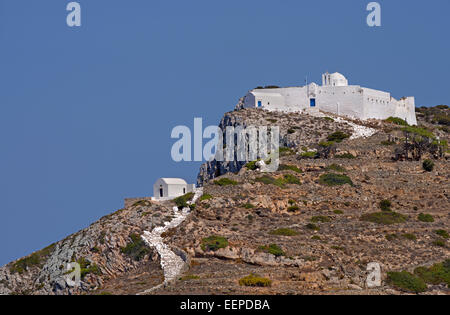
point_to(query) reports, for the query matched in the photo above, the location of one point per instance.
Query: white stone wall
(378, 104)
(170, 191)
(406, 109)
(269, 98)
(341, 100)
(283, 99)
(177, 190)
(337, 97)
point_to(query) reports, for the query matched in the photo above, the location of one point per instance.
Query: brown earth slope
(289, 227)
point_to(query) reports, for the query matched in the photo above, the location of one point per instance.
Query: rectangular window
(312, 102)
(259, 104)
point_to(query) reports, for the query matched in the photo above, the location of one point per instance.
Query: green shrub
(34, 260)
(385, 205)
(338, 212)
(225, 182)
(214, 243)
(443, 120)
(442, 233)
(387, 143)
(251, 165)
(136, 249)
(397, 121)
(407, 282)
(189, 277)
(248, 206)
(293, 208)
(338, 136)
(284, 167)
(428, 165)
(254, 280)
(284, 232)
(419, 131)
(326, 144)
(273, 249)
(291, 179)
(280, 182)
(316, 237)
(311, 226)
(309, 155)
(182, 201)
(269, 180)
(328, 118)
(336, 168)
(439, 243)
(88, 267)
(23, 264)
(436, 274)
(320, 218)
(206, 197)
(425, 218)
(385, 217)
(332, 179)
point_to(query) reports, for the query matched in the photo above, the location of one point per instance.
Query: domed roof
(338, 76)
(337, 79)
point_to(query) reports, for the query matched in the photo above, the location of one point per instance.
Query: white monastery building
(334, 96)
(170, 188)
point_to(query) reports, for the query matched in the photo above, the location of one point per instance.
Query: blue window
(259, 104)
(312, 102)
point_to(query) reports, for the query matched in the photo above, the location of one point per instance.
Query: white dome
(335, 79)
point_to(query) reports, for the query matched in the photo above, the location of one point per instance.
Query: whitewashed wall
(406, 109)
(378, 104)
(177, 190)
(342, 100)
(353, 101)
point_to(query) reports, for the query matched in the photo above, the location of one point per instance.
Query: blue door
(312, 102)
(259, 104)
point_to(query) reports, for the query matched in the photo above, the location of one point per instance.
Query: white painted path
(359, 131)
(171, 263)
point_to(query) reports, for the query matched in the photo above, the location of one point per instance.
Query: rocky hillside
(338, 202)
(109, 251)
(296, 130)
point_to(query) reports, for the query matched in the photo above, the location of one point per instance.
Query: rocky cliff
(296, 130)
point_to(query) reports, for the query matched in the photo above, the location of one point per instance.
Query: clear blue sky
(86, 113)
